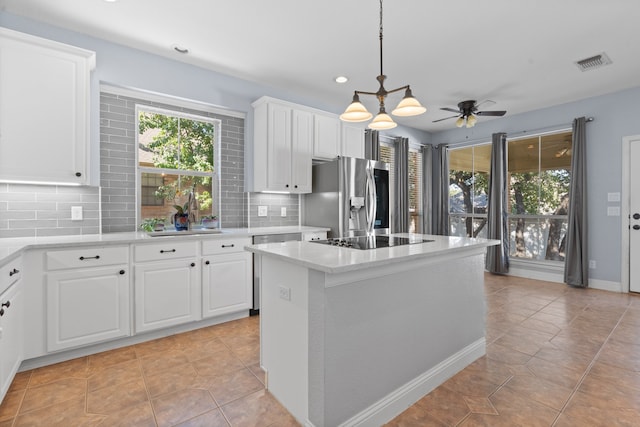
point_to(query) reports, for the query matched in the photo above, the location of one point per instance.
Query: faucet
(192, 205)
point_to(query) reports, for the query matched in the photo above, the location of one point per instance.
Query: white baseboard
(547, 276)
(605, 285)
(400, 399)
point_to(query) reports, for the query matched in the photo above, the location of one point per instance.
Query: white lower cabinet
(87, 296)
(85, 306)
(227, 276)
(11, 336)
(166, 293)
(226, 283)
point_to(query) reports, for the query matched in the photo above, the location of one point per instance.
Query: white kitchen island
(353, 337)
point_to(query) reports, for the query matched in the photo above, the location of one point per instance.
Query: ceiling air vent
(593, 62)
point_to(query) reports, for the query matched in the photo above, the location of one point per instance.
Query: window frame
(215, 174)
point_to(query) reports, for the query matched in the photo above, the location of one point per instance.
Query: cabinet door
(226, 284)
(166, 294)
(44, 110)
(11, 336)
(326, 137)
(352, 141)
(279, 148)
(301, 150)
(87, 306)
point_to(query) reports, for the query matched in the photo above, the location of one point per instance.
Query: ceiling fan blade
(486, 102)
(490, 113)
(446, 118)
(453, 110)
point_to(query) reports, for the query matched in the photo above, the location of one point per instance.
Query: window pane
(468, 226)
(175, 189)
(555, 173)
(150, 183)
(481, 168)
(524, 176)
(538, 238)
(461, 180)
(175, 142)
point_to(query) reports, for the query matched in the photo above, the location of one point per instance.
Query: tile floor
(556, 356)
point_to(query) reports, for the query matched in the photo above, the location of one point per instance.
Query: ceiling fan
(467, 112)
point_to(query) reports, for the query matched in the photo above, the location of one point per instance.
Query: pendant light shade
(408, 106)
(382, 121)
(460, 122)
(356, 112)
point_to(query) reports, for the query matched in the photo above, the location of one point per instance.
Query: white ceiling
(518, 53)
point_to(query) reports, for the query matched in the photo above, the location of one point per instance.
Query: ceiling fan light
(382, 121)
(471, 121)
(460, 122)
(408, 106)
(356, 112)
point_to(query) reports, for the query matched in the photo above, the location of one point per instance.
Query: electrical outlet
(262, 211)
(285, 293)
(592, 263)
(283, 211)
(76, 213)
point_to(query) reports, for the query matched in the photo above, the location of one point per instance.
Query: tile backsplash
(45, 210)
(41, 210)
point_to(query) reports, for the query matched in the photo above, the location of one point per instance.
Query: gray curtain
(427, 189)
(401, 198)
(441, 192)
(371, 145)
(576, 264)
(497, 260)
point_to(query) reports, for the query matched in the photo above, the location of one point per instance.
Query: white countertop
(333, 259)
(13, 247)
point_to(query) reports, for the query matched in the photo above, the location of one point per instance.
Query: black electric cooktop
(372, 242)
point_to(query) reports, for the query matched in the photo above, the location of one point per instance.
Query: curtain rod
(514, 134)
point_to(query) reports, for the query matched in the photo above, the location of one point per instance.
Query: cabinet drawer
(163, 251)
(10, 274)
(87, 257)
(225, 246)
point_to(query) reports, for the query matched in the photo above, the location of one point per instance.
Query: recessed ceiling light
(342, 79)
(110, 1)
(180, 49)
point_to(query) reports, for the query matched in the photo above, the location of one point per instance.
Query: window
(176, 153)
(468, 187)
(538, 174)
(415, 191)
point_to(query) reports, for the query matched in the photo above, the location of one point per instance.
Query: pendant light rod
(408, 106)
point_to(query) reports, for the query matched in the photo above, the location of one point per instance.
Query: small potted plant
(181, 217)
(209, 221)
(152, 224)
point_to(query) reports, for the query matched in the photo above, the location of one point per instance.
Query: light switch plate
(262, 211)
(76, 213)
(613, 211)
(613, 197)
(283, 211)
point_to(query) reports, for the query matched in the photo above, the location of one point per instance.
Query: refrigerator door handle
(371, 200)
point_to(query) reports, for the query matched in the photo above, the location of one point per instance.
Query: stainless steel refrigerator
(351, 196)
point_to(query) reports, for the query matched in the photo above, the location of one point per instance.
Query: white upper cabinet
(288, 136)
(282, 148)
(352, 140)
(326, 136)
(44, 110)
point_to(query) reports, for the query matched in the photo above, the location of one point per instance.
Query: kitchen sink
(185, 232)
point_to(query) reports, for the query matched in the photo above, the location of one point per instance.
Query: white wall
(615, 116)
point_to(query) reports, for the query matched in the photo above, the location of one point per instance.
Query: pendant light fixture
(408, 106)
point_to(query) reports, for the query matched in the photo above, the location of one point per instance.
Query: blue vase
(181, 221)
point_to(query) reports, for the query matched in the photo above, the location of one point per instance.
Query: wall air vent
(593, 62)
